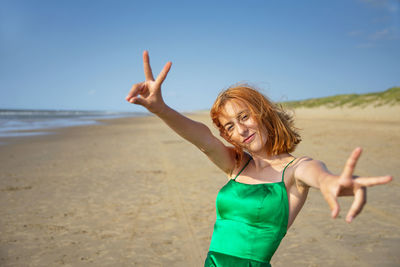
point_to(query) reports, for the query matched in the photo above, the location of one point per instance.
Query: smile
(249, 139)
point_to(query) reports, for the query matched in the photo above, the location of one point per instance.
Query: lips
(249, 139)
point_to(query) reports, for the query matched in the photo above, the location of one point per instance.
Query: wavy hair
(282, 136)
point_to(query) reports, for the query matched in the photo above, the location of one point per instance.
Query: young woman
(267, 186)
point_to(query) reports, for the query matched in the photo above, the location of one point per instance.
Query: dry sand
(130, 192)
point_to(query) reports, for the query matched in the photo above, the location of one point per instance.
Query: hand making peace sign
(148, 93)
(347, 185)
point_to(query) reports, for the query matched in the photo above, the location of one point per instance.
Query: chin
(254, 148)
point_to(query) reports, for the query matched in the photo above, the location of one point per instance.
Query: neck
(263, 160)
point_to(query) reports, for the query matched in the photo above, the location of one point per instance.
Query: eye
(245, 117)
(229, 128)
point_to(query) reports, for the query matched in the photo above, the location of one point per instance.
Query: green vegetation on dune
(390, 97)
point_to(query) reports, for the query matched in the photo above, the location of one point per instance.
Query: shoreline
(52, 125)
(21, 123)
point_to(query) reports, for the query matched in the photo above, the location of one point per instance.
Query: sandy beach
(130, 192)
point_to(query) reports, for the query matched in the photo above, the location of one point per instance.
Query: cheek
(262, 133)
(264, 136)
(253, 124)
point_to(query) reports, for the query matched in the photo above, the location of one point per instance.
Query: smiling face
(241, 111)
(241, 127)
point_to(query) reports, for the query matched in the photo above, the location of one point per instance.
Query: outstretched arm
(148, 94)
(314, 173)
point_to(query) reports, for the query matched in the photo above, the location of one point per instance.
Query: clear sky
(87, 54)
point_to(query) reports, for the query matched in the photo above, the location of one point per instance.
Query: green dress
(251, 221)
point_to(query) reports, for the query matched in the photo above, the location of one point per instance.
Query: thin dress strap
(283, 173)
(242, 169)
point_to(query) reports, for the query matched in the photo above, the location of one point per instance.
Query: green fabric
(251, 221)
(215, 259)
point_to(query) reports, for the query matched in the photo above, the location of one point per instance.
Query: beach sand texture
(130, 192)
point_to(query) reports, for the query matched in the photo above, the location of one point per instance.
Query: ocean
(19, 122)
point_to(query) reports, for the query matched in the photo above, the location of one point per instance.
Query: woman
(267, 186)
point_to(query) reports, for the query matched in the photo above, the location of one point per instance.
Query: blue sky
(87, 54)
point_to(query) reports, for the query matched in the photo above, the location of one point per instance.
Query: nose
(242, 129)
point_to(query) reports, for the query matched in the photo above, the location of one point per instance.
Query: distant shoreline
(28, 122)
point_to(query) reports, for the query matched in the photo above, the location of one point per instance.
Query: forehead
(231, 110)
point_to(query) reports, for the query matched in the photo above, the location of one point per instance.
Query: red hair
(282, 136)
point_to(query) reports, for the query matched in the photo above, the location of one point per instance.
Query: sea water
(18, 122)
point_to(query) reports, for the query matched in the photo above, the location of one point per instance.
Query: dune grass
(389, 97)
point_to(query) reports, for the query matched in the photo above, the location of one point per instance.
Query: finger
(135, 90)
(371, 181)
(333, 204)
(360, 198)
(148, 73)
(138, 101)
(346, 178)
(163, 74)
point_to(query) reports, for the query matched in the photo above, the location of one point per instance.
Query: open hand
(148, 93)
(347, 184)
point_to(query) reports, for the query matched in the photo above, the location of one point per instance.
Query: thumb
(138, 101)
(335, 209)
(333, 204)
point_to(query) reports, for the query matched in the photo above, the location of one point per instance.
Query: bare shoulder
(308, 170)
(302, 164)
(238, 167)
(300, 169)
(306, 164)
(291, 171)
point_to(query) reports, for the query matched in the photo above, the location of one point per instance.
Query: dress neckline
(247, 163)
(272, 183)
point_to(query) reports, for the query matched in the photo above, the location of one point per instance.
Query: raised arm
(148, 94)
(314, 173)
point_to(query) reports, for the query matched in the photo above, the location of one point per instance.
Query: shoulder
(239, 167)
(305, 163)
(303, 167)
(302, 164)
(307, 170)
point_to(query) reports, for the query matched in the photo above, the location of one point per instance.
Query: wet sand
(130, 192)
